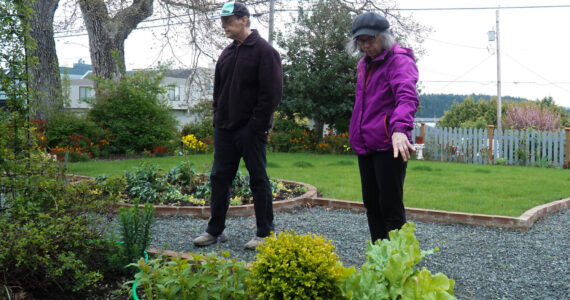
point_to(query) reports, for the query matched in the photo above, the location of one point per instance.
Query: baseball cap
(369, 23)
(234, 9)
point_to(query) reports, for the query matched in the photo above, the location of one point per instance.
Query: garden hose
(135, 283)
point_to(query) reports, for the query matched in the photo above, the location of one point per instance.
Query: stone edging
(233, 211)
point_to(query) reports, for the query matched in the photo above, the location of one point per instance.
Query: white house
(184, 89)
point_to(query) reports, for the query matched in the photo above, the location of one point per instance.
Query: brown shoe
(206, 239)
(254, 242)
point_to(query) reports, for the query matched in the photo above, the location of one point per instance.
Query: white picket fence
(513, 147)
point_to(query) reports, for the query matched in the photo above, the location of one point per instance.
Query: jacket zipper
(366, 76)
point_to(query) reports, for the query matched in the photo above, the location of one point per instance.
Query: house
(184, 88)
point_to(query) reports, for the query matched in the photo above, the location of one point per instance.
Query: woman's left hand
(402, 145)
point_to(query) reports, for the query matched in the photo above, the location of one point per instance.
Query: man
(248, 86)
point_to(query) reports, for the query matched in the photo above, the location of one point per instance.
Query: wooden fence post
(423, 135)
(491, 129)
(567, 154)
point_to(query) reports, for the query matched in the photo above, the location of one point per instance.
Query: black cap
(369, 23)
(237, 9)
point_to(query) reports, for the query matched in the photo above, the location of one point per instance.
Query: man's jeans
(229, 147)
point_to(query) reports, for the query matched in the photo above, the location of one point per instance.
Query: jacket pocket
(376, 134)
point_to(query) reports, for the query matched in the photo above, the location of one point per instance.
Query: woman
(382, 120)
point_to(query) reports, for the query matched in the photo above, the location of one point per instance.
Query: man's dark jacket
(248, 84)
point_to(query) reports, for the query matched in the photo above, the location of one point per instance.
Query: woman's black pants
(382, 178)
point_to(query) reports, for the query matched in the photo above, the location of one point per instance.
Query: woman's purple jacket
(386, 100)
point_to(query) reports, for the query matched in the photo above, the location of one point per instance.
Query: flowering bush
(72, 134)
(305, 140)
(193, 145)
(534, 116)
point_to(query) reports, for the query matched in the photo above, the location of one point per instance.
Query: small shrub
(294, 266)
(201, 277)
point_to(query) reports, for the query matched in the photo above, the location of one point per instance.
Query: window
(85, 92)
(173, 93)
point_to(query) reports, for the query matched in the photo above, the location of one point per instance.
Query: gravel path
(486, 263)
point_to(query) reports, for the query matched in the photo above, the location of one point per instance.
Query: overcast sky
(459, 58)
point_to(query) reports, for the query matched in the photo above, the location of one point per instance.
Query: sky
(459, 58)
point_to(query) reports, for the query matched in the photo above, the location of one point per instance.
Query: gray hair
(385, 36)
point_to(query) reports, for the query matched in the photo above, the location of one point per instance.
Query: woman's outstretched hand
(402, 145)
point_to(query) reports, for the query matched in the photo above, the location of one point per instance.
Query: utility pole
(271, 20)
(498, 76)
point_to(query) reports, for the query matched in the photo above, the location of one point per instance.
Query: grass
(495, 190)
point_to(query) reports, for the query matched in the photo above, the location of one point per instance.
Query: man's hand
(402, 145)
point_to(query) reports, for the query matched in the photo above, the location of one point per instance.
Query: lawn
(496, 190)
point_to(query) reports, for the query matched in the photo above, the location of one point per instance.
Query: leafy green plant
(144, 183)
(200, 277)
(389, 271)
(544, 162)
(182, 174)
(240, 185)
(292, 266)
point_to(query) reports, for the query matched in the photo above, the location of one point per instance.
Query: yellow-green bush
(294, 266)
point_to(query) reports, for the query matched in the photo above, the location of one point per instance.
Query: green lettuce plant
(389, 271)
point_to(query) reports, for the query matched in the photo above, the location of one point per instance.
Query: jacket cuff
(400, 128)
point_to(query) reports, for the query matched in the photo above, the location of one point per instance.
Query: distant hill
(434, 105)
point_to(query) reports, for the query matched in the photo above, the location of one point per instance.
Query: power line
(535, 73)
(458, 8)
(481, 8)
(465, 73)
(455, 44)
(394, 9)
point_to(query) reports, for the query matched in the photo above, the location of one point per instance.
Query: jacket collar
(249, 40)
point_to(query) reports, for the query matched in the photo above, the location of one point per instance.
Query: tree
(14, 44)
(319, 75)
(470, 114)
(44, 74)
(107, 34)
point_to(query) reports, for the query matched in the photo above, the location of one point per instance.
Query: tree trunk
(319, 129)
(107, 34)
(45, 80)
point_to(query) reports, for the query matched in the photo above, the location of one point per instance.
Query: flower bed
(182, 191)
